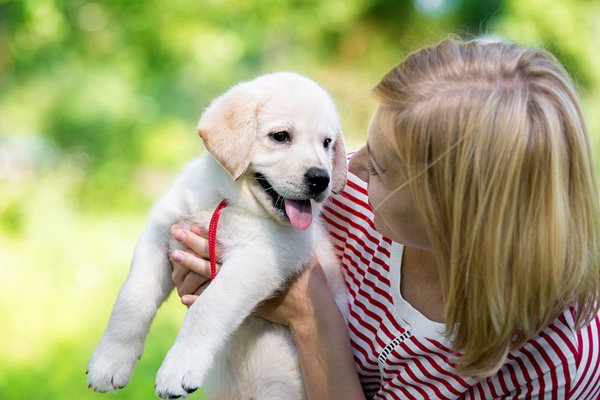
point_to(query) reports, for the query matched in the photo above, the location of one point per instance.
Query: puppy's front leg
(147, 286)
(242, 283)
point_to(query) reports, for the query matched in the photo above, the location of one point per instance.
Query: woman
(479, 162)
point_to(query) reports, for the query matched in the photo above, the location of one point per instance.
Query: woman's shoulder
(559, 359)
(586, 350)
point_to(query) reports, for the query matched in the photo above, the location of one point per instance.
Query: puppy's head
(281, 133)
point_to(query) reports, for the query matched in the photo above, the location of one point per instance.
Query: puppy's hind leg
(147, 286)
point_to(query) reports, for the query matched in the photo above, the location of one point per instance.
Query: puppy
(275, 154)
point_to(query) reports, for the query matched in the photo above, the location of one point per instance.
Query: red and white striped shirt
(400, 354)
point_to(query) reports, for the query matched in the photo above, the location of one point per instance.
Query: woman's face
(395, 214)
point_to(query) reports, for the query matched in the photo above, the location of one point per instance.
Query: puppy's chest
(238, 230)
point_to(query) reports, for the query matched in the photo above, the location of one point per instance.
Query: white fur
(220, 345)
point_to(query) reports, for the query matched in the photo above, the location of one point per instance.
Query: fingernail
(180, 235)
(177, 256)
(197, 229)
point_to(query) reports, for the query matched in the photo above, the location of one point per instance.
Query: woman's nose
(358, 164)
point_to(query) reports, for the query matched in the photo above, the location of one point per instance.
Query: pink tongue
(299, 213)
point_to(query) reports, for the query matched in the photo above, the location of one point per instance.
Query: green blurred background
(98, 105)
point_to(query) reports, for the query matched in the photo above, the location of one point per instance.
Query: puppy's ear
(339, 165)
(228, 128)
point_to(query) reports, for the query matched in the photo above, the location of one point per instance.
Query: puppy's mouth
(299, 212)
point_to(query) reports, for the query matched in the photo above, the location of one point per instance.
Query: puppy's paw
(180, 373)
(110, 366)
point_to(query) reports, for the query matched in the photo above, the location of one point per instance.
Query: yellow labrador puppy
(275, 154)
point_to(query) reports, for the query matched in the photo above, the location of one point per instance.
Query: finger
(191, 239)
(178, 275)
(199, 230)
(196, 238)
(201, 289)
(188, 299)
(179, 271)
(191, 284)
(191, 262)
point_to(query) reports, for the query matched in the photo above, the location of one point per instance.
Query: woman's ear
(339, 165)
(228, 128)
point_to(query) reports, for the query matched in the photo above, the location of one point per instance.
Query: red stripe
(595, 394)
(365, 326)
(398, 375)
(393, 384)
(443, 348)
(491, 387)
(386, 317)
(367, 232)
(348, 206)
(357, 206)
(469, 394)
(524, 371)
(538, 370)
(555, 328)
(338, 241)
(513, 378)
(425, 372)
(376, 260)
(376, 289)
(416, 383)
(502, 383)
(370, 349)
(359, 240)
(352, 283)
(376, 303)
(361, 188)
(435, 363)
(438, 367)
(379, 318)
(339, 250)
(481, 392)
(553, 376)
(569, 326)
(591, 346)
(352, 224)
(363, 366)
(362, 202)
(357, 221)
(589, 359)
(361, 289)
(563, 359)
(373, 272)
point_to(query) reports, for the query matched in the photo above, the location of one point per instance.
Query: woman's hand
(297, 304)
(191, 267)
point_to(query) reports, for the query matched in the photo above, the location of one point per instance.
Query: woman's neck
(420, 283)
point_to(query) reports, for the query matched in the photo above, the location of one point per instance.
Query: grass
(60, 271)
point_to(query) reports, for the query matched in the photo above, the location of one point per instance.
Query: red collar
(212, 237)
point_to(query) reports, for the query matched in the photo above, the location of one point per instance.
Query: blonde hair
(499, 164)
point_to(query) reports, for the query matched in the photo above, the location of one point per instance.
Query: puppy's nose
(317, 180)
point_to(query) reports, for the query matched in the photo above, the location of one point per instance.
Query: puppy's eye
(326, 143)
(281, 136)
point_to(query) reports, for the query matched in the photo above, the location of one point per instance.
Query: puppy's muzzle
(317, 180)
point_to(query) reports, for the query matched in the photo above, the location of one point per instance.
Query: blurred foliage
(98, 104)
